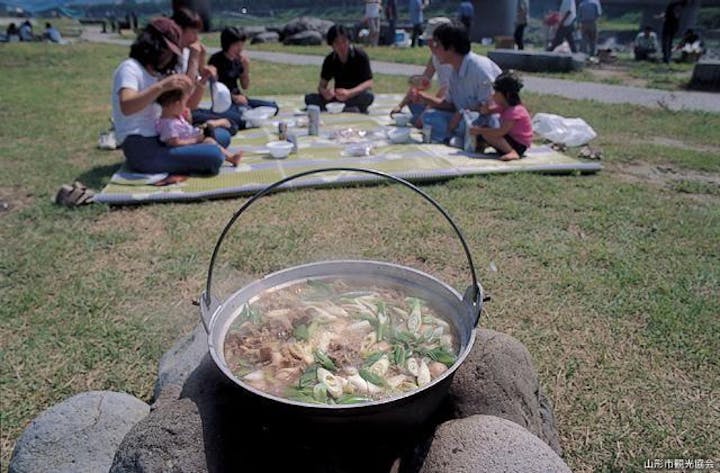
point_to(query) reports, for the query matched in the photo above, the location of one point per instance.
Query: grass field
(610, 280)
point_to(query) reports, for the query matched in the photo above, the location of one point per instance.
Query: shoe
(351, 110)
(75, 195)
(456, 142)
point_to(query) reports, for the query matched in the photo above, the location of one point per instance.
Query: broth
(338, 341)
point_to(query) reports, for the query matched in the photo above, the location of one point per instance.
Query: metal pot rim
(260, 285)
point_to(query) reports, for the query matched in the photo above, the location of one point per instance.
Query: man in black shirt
(349, 68)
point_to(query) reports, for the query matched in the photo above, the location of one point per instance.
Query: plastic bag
(568, 131)
(221, 98)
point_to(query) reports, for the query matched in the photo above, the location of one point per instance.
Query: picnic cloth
(414, 161)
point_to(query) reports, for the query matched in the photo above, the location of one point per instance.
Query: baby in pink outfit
(174, 129)
(515, 134)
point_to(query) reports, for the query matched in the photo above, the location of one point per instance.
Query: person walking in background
(415, 8)
(671, 24)
(372, 18)
(646, 45)
(466, 12)
(521, 20)
(391, 17)
(566, 28)
(349, 68)
(589, 12)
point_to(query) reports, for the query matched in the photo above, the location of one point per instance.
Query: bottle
(313, 120)
(292, 138)
(427, 133)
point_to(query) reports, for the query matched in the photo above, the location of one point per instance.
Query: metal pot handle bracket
(473, 295)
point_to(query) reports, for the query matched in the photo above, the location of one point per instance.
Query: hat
(170, 32)
(220, 95)
(432, 24)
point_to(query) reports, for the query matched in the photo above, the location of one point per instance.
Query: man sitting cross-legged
(470, 86)
(349, 67)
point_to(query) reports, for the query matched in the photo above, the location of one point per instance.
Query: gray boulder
(182, 358)
(480, 444)
(267, 37)
(79, 435)
(170, 439)
(498, 379)
(305, 23)
(305, 38)
(252, 31)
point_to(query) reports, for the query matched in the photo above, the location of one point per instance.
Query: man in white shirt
(470, 85)
(566, 28)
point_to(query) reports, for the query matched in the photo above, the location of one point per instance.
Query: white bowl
(256, 117)
(279, 149)
(402, 119)
(335, 107)
(399, 135)
(359, 149)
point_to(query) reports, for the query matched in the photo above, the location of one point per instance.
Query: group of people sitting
(24, 32)
(157, 90)
(646, 47)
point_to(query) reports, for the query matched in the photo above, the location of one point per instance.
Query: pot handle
(473, 296)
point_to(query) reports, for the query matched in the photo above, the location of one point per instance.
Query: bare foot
(512, 155)
(235, 158)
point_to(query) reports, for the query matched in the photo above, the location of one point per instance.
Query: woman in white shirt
(137, 83)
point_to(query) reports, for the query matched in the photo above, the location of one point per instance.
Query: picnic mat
(414, 161)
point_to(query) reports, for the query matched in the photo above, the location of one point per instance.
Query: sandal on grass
(75, 195)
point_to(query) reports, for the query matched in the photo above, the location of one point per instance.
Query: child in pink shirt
(515, 134)
(174, 129)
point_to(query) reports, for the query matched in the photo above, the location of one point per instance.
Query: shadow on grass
(99, 176)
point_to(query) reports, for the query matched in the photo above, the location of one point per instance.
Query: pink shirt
(522, 130)
(178, 127)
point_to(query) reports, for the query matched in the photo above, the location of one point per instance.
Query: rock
(481, 444)
(79, 435)
(706, 75)
(252, 31)
(498, 379)
(170, 439)
(178, 362)
(267, 37)
(537, 61)
(305, 38)
(305, 23)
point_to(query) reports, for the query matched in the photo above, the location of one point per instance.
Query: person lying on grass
(515, 134)
(174, 129)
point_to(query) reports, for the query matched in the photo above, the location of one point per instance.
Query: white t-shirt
(443, 72)
(131, 75)
(568, 6)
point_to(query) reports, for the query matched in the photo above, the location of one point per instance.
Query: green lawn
(610, 280)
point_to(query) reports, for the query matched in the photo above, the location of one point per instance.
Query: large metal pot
(408, 410)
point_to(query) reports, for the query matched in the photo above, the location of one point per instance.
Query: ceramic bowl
(399, 135)
(335, 107)
(279, 149)
(402, 119)
(256, 117)
(359, 149)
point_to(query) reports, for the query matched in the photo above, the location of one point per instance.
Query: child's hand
(476, 130)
